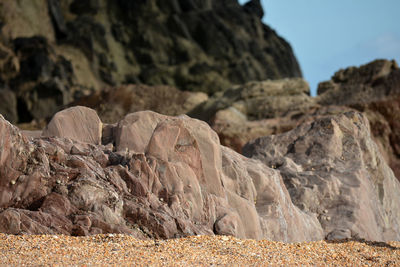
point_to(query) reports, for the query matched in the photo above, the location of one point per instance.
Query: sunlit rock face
(156, 177)
(333, 168)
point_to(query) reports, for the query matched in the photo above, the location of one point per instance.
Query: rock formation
(113, 103)
(156, 176)
(244, 113)
(333, 168)
(371, 82)
(374, 89)
(53, 52)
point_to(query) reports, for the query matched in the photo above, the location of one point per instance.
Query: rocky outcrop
(235, 130)
(333, 168)
(55, 51)
(370, 82)
(255, 109)
(113, 103)
(156, 176)
(259, 100)
(247, 112)
(165, 177)
(374, 89)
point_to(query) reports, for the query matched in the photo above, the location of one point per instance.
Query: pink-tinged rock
(184, 164)
(20, 179)
(263, 203)
(176, 181)
(77, 123)
(134, 131)
(333, 169)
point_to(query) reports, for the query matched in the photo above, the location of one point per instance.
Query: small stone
(58, 182)
(328, 218)
(161, 199)
(12, 182)
(325, 211)
(225, 238)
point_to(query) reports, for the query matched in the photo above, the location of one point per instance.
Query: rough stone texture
(8, 106)
(235, 130)
(41, 80)
(372, 89)
(77, 123)
(334, 169)
(370, 82)
(384, 117)
(260, 100)
(176, 181)
(113, 103)
(60, 50)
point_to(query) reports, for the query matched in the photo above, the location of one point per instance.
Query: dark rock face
(193, 45)
(9, 110)
(333, 168)
(53, 52)
(165, 177)
(39, 79)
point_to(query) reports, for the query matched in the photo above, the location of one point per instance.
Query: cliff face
(53, 52)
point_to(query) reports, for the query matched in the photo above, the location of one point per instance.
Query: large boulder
(333, 168)
(170, 178)
(79, 123)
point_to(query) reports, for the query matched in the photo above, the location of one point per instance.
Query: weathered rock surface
(53, 52)
(384, 117)
(372, 89)
(165, 177)
(333, 168)
(157, 176)
(9, 105)
(78, 123)
(235, 130)
(370, 82)
(113, 103)
(260, 100)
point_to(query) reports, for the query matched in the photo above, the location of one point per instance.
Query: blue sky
(327, 35)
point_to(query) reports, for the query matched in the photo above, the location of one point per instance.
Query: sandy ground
(196, 250)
